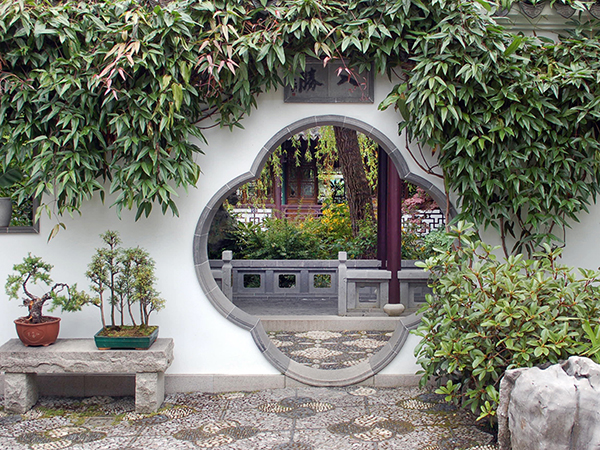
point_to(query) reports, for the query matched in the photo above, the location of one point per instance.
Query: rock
(551, 409)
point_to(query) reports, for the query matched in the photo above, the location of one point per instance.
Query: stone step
(329, 323)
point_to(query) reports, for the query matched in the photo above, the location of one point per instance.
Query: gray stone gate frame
(288, 367)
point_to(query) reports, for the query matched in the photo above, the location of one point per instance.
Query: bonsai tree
(34, 271)
(123, 282)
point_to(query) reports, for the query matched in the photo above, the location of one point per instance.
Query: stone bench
(21, 365)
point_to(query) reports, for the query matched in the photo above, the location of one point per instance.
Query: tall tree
(358, 191)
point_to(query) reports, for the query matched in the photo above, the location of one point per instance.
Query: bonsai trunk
(131, 314)
(35, 306)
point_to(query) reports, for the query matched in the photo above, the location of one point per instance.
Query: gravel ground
(351, 418)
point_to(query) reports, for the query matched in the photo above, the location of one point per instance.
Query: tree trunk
(358, 191)
(35, 308)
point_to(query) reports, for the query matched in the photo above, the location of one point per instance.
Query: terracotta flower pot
(36, 334)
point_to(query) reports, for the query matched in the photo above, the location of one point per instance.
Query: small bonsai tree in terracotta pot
(36, 329)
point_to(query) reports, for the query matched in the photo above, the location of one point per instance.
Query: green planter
(127, 342)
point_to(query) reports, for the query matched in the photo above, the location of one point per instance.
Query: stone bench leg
(149, 392)
(20, 392)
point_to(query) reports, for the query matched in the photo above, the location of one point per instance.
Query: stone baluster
(226, 282)
(342, 284)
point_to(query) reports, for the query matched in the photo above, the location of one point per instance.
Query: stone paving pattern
(350, 418)
(330, 350)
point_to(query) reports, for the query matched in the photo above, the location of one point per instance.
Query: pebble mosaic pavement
(350, 418)
(330, 350)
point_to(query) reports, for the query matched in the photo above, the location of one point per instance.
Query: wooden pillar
(277, 195)
(394, 231)
(382, 205)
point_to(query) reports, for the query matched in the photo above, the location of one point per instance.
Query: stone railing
(356, 285)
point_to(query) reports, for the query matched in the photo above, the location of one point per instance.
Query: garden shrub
(333, 230)
(488, 315)
(274, 239)
(310, 238)
(419, 246)
(322, 238)
(437, 239)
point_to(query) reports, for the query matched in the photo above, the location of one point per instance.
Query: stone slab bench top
(82, 356)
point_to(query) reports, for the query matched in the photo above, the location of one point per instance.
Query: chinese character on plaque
(330, 83)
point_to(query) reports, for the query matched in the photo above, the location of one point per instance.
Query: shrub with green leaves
(418, 247)
(309, 238)
(274, 239)
(333, 231)
(487, 315)
(323, 237)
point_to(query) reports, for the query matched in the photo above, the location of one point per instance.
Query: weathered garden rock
(551, 409)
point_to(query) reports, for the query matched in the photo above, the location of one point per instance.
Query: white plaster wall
(405, 363)
(205, 342)
(582, 240)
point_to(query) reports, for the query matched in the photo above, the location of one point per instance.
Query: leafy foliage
(103, 96)
(419, 246)
(9, 177)
(488, 315)
(513, 121)
(274, 239)
(323, 237)
(311, 238)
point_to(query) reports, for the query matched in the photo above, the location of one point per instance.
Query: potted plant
(7, 179)
(37, 329)
(123, 281)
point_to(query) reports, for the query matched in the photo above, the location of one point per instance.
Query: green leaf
(485, 4)
(513, 46)
(10, 177)
(280, 53)
(177, 95)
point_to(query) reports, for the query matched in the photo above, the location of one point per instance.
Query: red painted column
(382, 205)
(394, 231)
(277, 196)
